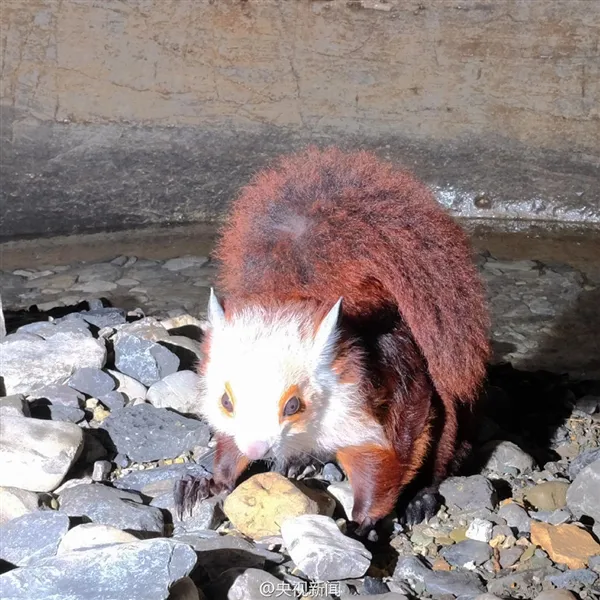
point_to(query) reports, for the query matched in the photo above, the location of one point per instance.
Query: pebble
(90, 535)
(144, 360)
(110, 506)
(584, 494)
(33, 536)
(503, 454)
(516, 517)
(141, 569)
(468, 493)
(92, 382)
(468, 552)
(565, 544)
(179, 391)
(15, 503)
(462, 584)
(14, 406)
(332, 473)
(321, 551)
(35, 454)
(550, 495)
(259, 505)
(128, 386)
(480, 530)
(145, 433)
(33, 363)
(102, 469)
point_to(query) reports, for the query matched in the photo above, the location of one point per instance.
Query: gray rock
(206, 514)
(342, 492)
(101, 471)
(468, 493)
(90, 535)
(59, 394)
(588, 404)
(101, 317)
(160, 480)
(524, 584)
(33, 536)
(594, 563)
(92, 382)
(96, 271)
(14, 406)
(185, 589)
(467, 552)
(374, 585)
(31, 364)
(556, 595)
(583, 493)
(574, 579)
(582, 461)
(503, 454)
(183, 262)
(15, 503)
(144, 360)
(60, 412)
(179, 391)
(516, 517)
(35, 454)
(411, 570)
(110, 506)
(321, 550)
(554, 517)
(143, 569)
(254, 584)
(332, 473)
(509, 556)
(113, 400)
(145, 433)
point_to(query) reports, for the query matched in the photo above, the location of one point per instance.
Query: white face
(268, 382)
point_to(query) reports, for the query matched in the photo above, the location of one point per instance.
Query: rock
(582, 461)
(36, 455)
(582, 497)
(142, 569)
(95, 287)
(321, 550)
(179, 391)
(92, 382)
(468, 493)
(184, 262)
(59, 394)
(128, 386)
(509, 556)
(103, 317)
(516, 517)
(523, 584)
(588, 404)
(254, 584)
(33, 363)
(102, 469)
(332, 473)
(60, 412)
(480, 530)
(469, 552)
(144, 360)
(374, 585)
(145, 433)
(258, 506)
(555, 517)
(206, 514)
(14, 406)
(550, 495)
(503, 454)
(33, 536)
(574, 579)
(185, 589)
(188, 351)
(110, 506)
(157, 481)
(556, 595)
(565, 544)
(15, 503)
(411, 570)
(342, 492)
(113, 400)
(90, 535)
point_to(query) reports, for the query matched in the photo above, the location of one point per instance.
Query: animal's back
(323, 224)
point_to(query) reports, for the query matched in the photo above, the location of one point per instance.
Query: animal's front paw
(422, 506)
(190, 490)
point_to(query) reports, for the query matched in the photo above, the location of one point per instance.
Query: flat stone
(90, 535)
(504, 454)
(28, 365)
(549, 495)
(14, 406)
(15, 503)
(100, 317)
(93, 382)
(59, 412)
(411, 570)
(565, 544)
(98, 271)
(36, 455)
(141, 569)
(128, 386)
(259, 505)
(516, 517)
(469, 552)
(33, 536)
(59, 394)
(584, 493)
(110, 506)
(95, 287)
(183, 262)
(144, 360)
(179, 391)
(145, 433)
(468, 493)
(321, 550)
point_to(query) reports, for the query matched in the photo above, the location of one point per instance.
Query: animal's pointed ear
(327, 332)
(216, 314)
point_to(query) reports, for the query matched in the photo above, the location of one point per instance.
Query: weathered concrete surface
(130, 113)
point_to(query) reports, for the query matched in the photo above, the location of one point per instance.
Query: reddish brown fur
(327, 224)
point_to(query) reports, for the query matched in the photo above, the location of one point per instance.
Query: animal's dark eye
(226, 402)
(292, 406)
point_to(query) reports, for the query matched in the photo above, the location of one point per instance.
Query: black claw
(423, 506)
(188, 492)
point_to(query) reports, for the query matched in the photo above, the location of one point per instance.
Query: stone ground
(98, 425)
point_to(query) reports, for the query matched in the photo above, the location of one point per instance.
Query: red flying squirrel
(353, 326)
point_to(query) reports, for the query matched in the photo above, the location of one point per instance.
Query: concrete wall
(125, 113)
